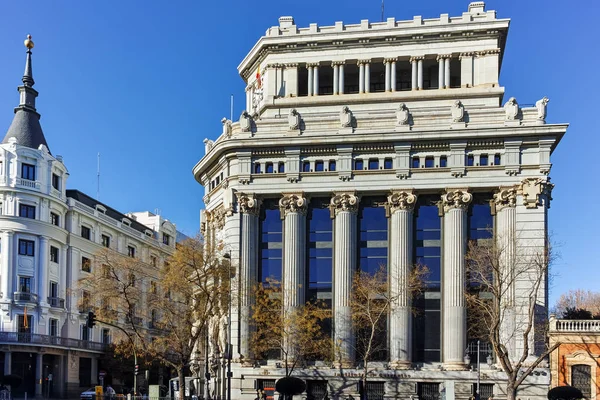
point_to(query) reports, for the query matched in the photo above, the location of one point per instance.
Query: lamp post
(227, 256)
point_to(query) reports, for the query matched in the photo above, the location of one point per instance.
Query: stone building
(49, 236)
(379, 143)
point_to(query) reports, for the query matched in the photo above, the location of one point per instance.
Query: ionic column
(293, 211)
(455, 202)
(336, 77)
(38, 374)
(7, 245)
(413, 63)
(505, 201)
(367, 76)
(316, 80)
(43, 270)
(345, 207)
(447, 71)
(7, 363)
(361, 77)
(249, 208)
(341, 80)
(388, 75)
(440, 60)
(401, 204)
(393, 74)
(420, 73)
(309, 91)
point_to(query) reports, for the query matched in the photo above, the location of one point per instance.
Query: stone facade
(403, 121)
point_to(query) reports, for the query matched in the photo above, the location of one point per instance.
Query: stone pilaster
(293, 211)
(401, 205)
(7, 245)
(344, 207)
(455, 203)
(43, 270)
(249, 208)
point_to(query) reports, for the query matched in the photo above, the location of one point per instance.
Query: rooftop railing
(574, 325)
(47, 340)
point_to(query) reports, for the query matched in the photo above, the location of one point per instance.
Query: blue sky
(144, 82)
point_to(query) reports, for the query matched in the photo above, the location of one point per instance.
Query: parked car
(88, 394)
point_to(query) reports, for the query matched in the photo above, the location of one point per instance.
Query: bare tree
(578, 299)
(513, 326)
(176, 301)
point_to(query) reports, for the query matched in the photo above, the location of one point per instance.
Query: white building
(48, 238)
(379, 143)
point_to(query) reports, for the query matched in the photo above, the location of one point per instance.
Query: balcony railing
(28, 184)
(56, 302)
(25, 297)
(575, 325)
(46, 340)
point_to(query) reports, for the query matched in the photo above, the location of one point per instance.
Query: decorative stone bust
(511, 109)
(541, 106)
(226, 127)
(293, 119)
(208, 144)
(346, 117)
(245, 121)
(458, 111)
(402, 114)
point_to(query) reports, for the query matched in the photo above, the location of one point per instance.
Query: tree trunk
(181, 378)
(511, 391)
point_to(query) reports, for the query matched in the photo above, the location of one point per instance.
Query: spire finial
(28, 75)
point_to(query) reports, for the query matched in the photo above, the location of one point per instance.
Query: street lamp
(227, 256)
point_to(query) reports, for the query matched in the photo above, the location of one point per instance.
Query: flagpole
(231, 110)
(382, 8)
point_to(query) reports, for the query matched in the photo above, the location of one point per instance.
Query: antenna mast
(231, 109)
(98, 179)
(382, 8)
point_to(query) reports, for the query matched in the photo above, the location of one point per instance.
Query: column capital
(248, 203)
(334, 63)
(43, 237)
(401, 200)
(456, 198)
(313, 64)
(388, 60)
(364, 61)
(8, 232)
(416, 58)
(465, 55)
(444, 56)
(505, 197)
(291, 65)
(344, 201)
(292, 203)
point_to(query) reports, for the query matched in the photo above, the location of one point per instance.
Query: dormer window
(56, 181)
(126, 221)
(28, 172)
(166, 239)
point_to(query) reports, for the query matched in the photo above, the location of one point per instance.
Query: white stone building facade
(48, 240)
(386, 143)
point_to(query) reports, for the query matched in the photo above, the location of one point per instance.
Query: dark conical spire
(25, 127)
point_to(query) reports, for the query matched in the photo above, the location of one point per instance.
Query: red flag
(25, 322)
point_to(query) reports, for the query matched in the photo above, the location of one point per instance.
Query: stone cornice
(344, 201)
(456, 198)
(292, 203)
(401, 200)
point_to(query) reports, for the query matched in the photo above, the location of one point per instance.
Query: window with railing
(53, 254)
(53, 327)
(25, 284)
(26, 211)
(54, 219)
(56, 181)
(86, 232)
(26, 247)
(428, 391)
(106, 241)
(581, 378)
(106, 336)
(28, 171)
(166, 239)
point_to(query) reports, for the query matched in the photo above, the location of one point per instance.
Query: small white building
(379, 143)
(48, 238)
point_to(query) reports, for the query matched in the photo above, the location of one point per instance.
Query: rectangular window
(152, 287)
(373, 163)
(373, 235)
(54, 219)
(86, 264)
(388, 163)
(25, 284)
(56, 181)
(166, 239)
(106, 241)
(26, 247)
(86, 232)
(443, 161)
(131, 251)
(26, 211)
(85, 333)
(429, 163)
(269, 168)
(106, 336)
(53, 289)
(153, 261)
(359, 165)
(53, 331)
(483, 160)
(428, 391)
(332, 165)
(416, 162)
(28, 172)
(319, 166)
(85, 301)
(496, 159)
(54, 254)
(306, 166)
(470, 160)
(281, 168)
(271, 242)
(257, 169)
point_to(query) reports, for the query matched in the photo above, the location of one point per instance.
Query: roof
(111, 212)
(26, 128)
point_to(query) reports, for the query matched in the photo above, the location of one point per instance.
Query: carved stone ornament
(292, 203)
(208, 145)
(248, 203)
(402, 200)
(402, 115)
(505, 197)
(293, 119)
(458, 111)
(344, 202)
(456, 198)
(541, 106)
(226, 127)
(511, 109)
(533, 188)
(216, 218)
(245, 121)
(345, 117)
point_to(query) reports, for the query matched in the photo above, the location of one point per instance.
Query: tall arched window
(581, 378)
